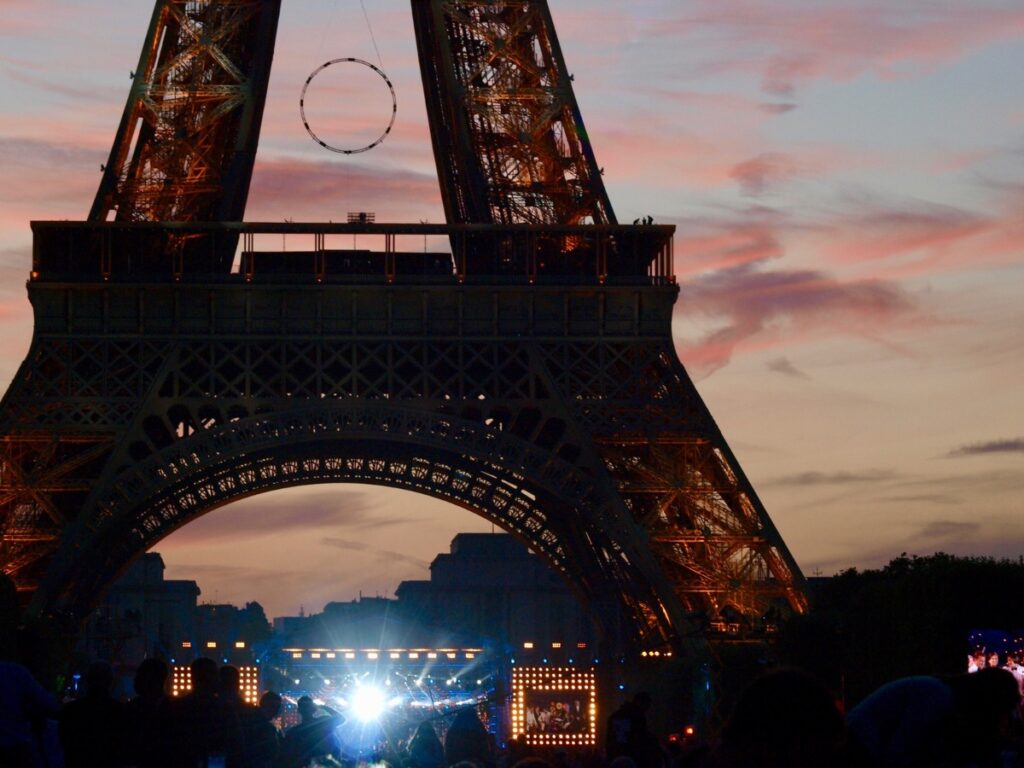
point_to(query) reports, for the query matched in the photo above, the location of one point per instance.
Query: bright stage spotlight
(368, 703)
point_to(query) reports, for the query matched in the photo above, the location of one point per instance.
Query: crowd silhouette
(784, 718)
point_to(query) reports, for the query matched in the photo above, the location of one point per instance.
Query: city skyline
(845, 179)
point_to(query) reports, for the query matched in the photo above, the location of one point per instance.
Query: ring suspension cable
(373, 39)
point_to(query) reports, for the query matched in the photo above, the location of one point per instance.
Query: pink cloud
(326, 191)
(756, 307)
(71, 91)
(759, 173)
(724, 247)
(666, 159)
(793, 43)
(886, 233)
(45, 180)
(897, 240)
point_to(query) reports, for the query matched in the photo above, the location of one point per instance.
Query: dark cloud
(813, 479)
(21, 256)
(15, 264)
(784, 366)
(239, 584)
(47, 179)
(757, 175)
(1014, 445)
(919, 222)
(15, 151)
(71, 92)
(777, 108)
(948, 529)
(271, 513)
(360, 546)
(984, 483)
(781, 74)
(1014, 189)
(923, 498)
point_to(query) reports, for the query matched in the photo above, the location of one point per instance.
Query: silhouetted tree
(911, 617)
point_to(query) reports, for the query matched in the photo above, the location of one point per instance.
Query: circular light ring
(324, 144)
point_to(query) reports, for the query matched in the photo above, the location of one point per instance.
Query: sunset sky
(847, 179)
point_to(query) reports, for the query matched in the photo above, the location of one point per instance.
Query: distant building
(287, 625)
(492, 588)
(488, 589)
(227, 633)
(143, 615)
(489, 605)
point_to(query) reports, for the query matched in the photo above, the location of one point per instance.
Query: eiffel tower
(179, 362)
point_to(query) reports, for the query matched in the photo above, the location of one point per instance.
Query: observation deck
(316, 253)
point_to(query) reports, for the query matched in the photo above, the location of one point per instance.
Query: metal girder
(190, 396)
(508, 136)
(448, 395)
(530, 377)
(187, 140)
(706, 524)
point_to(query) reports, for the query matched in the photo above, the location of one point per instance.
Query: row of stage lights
(550, 679)
(249, 682)
(529, 645)
(211, 645)
(419, 681)
(374, 654)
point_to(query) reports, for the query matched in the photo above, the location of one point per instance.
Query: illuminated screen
(1003, 648)
(557, 712)
(554, 706)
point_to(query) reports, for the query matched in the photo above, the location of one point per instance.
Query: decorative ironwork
(195, 416)
(187, 140)
(529, 376)
(509, 139)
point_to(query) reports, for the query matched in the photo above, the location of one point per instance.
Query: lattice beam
(187, 141)
(537, 384)
(706, 525)
(549, 503)
(509, 140)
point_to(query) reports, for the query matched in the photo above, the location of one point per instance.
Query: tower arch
(563, 514)
(538, 354)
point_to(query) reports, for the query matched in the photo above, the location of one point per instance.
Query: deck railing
(67, 251)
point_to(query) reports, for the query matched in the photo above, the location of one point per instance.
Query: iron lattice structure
(187, 141)
(530, 376)
(508, 136)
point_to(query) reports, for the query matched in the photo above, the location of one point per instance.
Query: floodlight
(368, 703)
